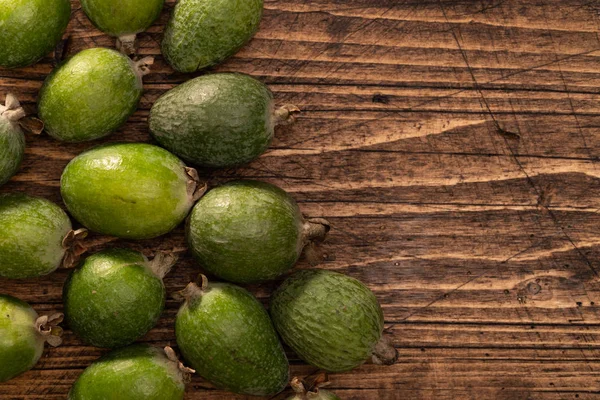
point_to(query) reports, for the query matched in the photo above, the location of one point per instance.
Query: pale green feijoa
(129, 190)
(22, 336)
(30, 29)
(202, 33)
(36, 237)
(249, 231)
(116, 296)
(226, 335)
(91, 95)
(12, 140)
(137, 372)
(332, 321)
(123, 19)
(218, 120)
(311, 392)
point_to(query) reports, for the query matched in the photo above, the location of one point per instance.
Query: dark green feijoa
(30, 29)
(218, 120)
(91, 95)
(311, 391)
(123, 19)
(36, 237)
(332, 321)
(129, 190)
(22, 336)
(12, 140)
(116, 296)
(249, 231)
(137, 372)
(202, 33)
(226, 335)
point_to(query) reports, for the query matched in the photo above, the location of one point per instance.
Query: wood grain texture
(454, 146)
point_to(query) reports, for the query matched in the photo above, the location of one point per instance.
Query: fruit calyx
(126, 44)
(286, 115)
(12, 109)
(195, 188)
(162, 263)
(308, 390)
(384, 352)
(193, 290)
(142, 67)
(47, 327)
(74, 247)
(315, 229)
(186, 372)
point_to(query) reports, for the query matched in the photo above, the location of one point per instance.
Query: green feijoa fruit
(123, 19)
(226, 335)
(218, 120)
(137, 372)
(36, 237)
(249, 231)
(115, 296)
(312, 391)
(330, 320)
(91, 95)
(202, 33)
(129, 190)
(12, 140)
(22, 336)
(30, 29)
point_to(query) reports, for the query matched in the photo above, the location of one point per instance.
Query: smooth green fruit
(330, 320)
(115, 296)
(217, 120)
(22, 336)
(249, 231)
(123, 18)
(12, 140)
(311, 392)
(226, 335)
(129, 190)
(30, 29)
(137, 372)
(202, 33)
(91, 95)
(36, 237)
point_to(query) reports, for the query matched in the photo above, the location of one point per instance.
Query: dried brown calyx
(309, 388)
(195, 187)
(286, 115)
(186, 372)
(314, 232)
(126, 44)
(47, 327)
(13, 111)
(193, 290)
(384, 352)
(142, 67)
(74, 247)
(162, 263)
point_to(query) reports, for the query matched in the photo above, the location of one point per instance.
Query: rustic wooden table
(455, 147)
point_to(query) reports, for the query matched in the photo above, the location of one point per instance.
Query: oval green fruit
(249, 231)
(22, 336)
(137, 372)
(311, 392)
(12, 140)
(91, 95)
(123, 18)
(226, 335)
(129, 190)
(37, 237)
(115, 296)
(332, 321)
(30, 29)
(202, 33)
(217, 120)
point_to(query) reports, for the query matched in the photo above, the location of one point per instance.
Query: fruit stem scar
(47, 327)
(12, 109)
(286, 115)
(142, 67)
(126, 44)
(185, 371)
(384, 352)
(162, 263)
(194, 189)
(74, 247)
(316, 229)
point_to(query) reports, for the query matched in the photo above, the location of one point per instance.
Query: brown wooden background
(455, 147)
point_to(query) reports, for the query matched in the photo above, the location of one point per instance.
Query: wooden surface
(454, 146)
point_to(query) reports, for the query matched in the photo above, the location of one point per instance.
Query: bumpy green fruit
(12, 140)
(217, 120)
(248, 231)
(35, 237)
(116, 296)
(137, 372)
(202, 33)
(91, 95)
(314, 392)
(123, 18)
(226, 335)
(30, 29)
(22, 336)
(129, 190)
(330, 320)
